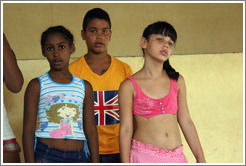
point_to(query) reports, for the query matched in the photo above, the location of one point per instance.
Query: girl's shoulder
(78, 80)
(87, 85)
(33, 85)
(34, 82)
(180, 82)
(126, 84)
(134, 77)
(180, 79)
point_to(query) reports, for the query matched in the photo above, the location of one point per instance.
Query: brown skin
(29, 121)
(11, 157)
(57, 48)
(13, 79)
(89, 123)
(97, 36)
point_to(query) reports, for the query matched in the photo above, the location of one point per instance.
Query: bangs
(162, 28)
(168, 32)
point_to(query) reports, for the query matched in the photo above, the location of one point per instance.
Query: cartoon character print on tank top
(61, 109)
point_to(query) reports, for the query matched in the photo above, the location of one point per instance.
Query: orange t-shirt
(106, 106)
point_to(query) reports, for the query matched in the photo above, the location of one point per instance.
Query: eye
(159, 39)
(170, 44)
(94, 31)
(62, 47)
(105, 31)
(49, 48)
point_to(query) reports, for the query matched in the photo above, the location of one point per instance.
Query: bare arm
(187, 125)
(12, 75)
(89, 124)
(126, 119)
(29, 121)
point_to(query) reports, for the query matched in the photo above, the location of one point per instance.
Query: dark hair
(57, 29)
(95, 13)
(165, 29)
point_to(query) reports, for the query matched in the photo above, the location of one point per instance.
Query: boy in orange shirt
(105, 73)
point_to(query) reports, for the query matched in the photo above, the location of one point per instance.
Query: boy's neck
(91, 57)
(98, 63)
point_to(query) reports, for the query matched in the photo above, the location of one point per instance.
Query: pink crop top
(148, 107)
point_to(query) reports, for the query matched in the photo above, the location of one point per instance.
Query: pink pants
(142, 153)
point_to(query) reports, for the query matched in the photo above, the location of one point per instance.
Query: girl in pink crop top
(149, 124)
(148, 107)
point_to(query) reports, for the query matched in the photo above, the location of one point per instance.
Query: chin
(166, 58)
(163, 59)
(98, 51)
(57, 68)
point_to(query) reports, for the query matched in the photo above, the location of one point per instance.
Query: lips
(57, 62)
(99, 44)
(164, 52)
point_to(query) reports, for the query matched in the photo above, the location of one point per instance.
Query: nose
(56, 52)
(99, 34)
(166, 44)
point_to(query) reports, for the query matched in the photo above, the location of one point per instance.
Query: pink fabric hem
(147, 153)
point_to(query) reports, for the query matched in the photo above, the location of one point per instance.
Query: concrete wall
(202, 28)
(214, 93)
(209, 54)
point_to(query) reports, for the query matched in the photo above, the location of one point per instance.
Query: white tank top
(60, 109)
(7, 131)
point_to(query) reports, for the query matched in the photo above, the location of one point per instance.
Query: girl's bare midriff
(161, 131)
(65, 144)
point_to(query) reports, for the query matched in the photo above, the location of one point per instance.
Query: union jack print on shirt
(106, 107)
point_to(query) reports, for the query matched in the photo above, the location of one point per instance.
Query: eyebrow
(166, 36)
(56, 44)
(97, 28)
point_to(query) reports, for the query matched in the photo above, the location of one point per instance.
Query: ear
(83, 34)
(110, 34)
(143, 42)
(43, 53)
(73, 48)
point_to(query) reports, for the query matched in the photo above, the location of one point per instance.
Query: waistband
(13, 140)
(11, 146)
(41, 145)
(154, 150)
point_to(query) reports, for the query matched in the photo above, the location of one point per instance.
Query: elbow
(126, 132)
(185, 121)
(20, 84)
(90, 131)
(17, 87)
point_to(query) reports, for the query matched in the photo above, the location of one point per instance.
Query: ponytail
(171, 72)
